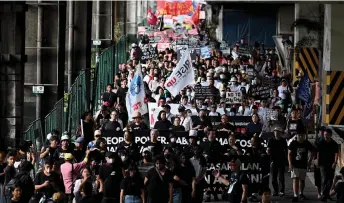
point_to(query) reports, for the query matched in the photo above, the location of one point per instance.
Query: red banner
(175, 8)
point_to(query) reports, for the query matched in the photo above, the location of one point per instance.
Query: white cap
(192, 133)
(64, 137)
(49, 136)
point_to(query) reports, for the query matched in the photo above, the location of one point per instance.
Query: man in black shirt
(277, 149)
(109, 98)
(238, 182)
(298, 163)
(153, 145)
(159, 183)
(122, 91)
(327, 162)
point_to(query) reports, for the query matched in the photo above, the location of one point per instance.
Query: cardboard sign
(202, 92)
(205, 52)
(245, 51)
(250, 71)
(234, 97)
(261, 92)
(148, 52)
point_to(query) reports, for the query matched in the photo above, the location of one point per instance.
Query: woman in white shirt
(244, 110)
(283, 90)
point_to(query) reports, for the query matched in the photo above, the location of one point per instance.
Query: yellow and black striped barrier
(306, 60)
(334, 98)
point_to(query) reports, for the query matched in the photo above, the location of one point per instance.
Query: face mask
(254, 82)
(223, 94)
(243, 72)
(156, 79)
(160, 65)
(235, 70)
(188, 93)
(222, 77)
(123, 158)
(224, 69)
(243, 84)
(110, 161)
(231, 114)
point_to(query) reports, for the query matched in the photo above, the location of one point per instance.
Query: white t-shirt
(281, 90)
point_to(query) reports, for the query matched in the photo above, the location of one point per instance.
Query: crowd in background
(85, 170)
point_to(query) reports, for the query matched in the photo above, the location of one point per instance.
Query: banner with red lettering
(136, 95)
(182, 76)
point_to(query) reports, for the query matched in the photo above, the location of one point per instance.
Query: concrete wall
(309, 11)
(286, 17)
(333, 37)
(49, 60)
(12, 59)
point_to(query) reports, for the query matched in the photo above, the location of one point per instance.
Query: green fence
(56, 119)
(67, 111)
(34, 133)
(77, 102)
(107, 68)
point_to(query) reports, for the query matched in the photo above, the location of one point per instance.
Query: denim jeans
(132, 199)
(2, 198)
(177, 195)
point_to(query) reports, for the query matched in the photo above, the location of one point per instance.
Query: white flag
(136, 95)
(182, 75)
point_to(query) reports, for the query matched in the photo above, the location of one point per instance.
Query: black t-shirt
(186, 174)
(293, 125)
(235, 186)
(205, 122)
(178, 128)
(299, 153)
(10, 172)
(122, 93)
(132, 185)
(327, 152)
(231, 151)
(278, 150)
(131, 148)
(158, 189)
(141, 126)
(61, 152)
(339, 189)
(111, 126)
(154, 148)
(110, 97)
(54, 180)
(2, 168)
(163, 125)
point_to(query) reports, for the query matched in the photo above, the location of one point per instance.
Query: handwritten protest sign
(202, 92)
(234, 97)
(205, 52)
(148, 52)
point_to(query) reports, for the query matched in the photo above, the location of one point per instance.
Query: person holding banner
(238, 182)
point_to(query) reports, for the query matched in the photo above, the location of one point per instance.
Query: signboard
(224, 47)
(245, 51)
(205, 52)
(250, 71)
(180, 49)
(234, 97)
(261, 92)
(148, 52)
(37, 89)
(202, 92)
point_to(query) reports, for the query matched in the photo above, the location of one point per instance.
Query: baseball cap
(181, 109)
(97, 132)
(64, 137)
(68, 156)
(79, 140)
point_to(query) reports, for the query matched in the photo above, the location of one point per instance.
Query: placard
(205, 52)
(202, 92)
(234, 97)
(250, 71)
(261, 92)
(148, 52)
(245, 51)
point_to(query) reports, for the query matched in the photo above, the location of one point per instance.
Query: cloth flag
(195, 16)
(135, 99)
(182, 75)
(151, 18)
(303, 92)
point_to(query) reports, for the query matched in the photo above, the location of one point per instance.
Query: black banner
(202, 92)
(148, 52)
(261, 92)
(253, 167)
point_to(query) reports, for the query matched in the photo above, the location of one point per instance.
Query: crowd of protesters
(85, 170)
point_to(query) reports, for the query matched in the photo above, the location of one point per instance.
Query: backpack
(15, 181)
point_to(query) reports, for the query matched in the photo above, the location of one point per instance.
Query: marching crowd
(87, 171)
